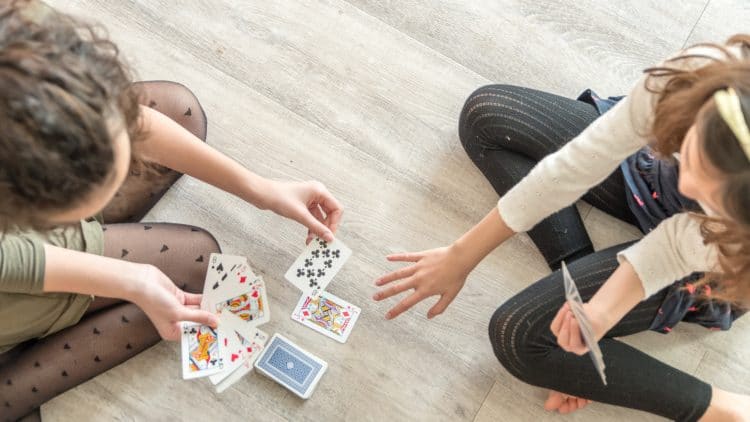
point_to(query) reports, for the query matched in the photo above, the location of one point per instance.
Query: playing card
(289, 365)
(226, 276)
(576, 306)
(202, 353)
(250, 305)
(238, 344)
(317, 265)
(257, 343)
(327, 314)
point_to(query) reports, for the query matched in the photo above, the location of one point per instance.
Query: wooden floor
(364, 95)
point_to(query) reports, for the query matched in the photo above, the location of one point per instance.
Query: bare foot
(564, 403)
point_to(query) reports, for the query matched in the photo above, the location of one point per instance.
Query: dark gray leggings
(506, 130)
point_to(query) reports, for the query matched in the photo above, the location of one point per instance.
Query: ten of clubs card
(317, 265)
(327, 314)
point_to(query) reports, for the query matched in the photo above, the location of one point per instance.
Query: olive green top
(27, 312)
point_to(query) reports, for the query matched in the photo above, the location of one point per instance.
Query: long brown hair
(62, 85)
(684, 99)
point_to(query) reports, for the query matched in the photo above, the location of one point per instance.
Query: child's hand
(308, 203)
(166, 305)
(436, 272)
(565, 327)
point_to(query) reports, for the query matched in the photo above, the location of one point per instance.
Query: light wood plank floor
(364, 95)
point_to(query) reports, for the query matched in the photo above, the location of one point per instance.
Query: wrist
(137, 282)
(259, 191)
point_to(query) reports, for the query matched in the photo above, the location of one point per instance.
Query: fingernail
(375, 296)
(388, 315)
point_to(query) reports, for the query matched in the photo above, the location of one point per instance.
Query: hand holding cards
(239, 298)
(589, 337)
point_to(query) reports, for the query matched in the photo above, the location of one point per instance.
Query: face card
(289, 365)
(317, 265)
(202, 353)
(576, 306)
(257, 343)
(251, 305)
(225, 276)
(327, 314)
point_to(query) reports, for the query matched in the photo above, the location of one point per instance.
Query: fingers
(404, 305)
(563, 335)
(199, 316)
(441, 305)
(333, 209)
(315, 226)
(558, 320)
(577, 345)
(396, 275)
(405, 257)
(192, 299)
(317, 213)
(394, 289)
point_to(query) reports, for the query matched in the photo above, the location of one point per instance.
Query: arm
(172, 146)
(145, 285)
(615, 298)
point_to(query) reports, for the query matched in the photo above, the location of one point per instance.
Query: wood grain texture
(364, 96)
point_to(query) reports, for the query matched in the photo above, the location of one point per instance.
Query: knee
(202, 245)
(481, 110)
(518, 340)
(205, 241)
(179, 103)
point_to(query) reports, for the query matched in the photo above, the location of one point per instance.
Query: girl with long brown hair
(673, 158)
(80, 143)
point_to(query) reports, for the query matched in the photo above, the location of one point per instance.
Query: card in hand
(327, 314)
(576, 306)
(250, 305)
(238, 344)
(202, 352)
(289, 365)
(257, 343)
(317, 265)
(226, 276)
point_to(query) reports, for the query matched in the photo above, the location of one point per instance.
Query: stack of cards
(317, 309)
(239, 298)
(576, 306)
(289, 365)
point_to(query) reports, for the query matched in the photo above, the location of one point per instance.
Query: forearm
(72, 271)
(169, 144)
(617, 296)
(483, 238)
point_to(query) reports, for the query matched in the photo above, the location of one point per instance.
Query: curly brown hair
(63, 85)
(686, 98)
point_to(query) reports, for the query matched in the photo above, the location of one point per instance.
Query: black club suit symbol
(321, 272)
(336, 253)
(308, 263)
(300, 272)
(315, 254)
(313, 282)
(323, 244)
(310, 273)
(327, 253)
(328, 263)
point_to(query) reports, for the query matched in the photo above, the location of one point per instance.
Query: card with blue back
(290, 366)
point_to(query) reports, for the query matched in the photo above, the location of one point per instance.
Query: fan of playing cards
(576, 306)
(239, 298)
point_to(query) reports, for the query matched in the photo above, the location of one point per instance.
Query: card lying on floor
(202, 352)
(317, 265)
(576, 306)
(290, 366)
(327, 314)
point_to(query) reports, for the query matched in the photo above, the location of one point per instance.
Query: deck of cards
(576, 306)
(239, 298)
